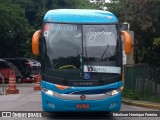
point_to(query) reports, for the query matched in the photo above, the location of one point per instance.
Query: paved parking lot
(30, 100)
(26, 98)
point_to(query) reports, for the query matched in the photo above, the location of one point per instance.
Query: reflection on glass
(64, 45)
(100, 43)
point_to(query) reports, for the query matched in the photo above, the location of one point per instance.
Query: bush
(135, 95)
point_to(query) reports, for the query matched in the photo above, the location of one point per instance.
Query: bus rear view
(81, 58)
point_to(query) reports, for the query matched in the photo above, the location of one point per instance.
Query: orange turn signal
(61, 87)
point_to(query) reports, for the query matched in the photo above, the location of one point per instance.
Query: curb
(141, 103)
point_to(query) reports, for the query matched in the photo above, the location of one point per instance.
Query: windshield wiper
(88, 61)
(104, 52)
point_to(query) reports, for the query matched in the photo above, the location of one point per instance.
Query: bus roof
(80, 16)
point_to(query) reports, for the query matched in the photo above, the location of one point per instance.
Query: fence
(142, 78)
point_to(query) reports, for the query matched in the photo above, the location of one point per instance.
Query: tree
(20, 18)
(36, 9)
(14, 30)
(143, 16)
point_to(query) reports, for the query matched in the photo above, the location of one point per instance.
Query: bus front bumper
(54, 104)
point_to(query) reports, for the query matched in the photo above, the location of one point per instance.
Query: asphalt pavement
(27, 95)
(21, 102)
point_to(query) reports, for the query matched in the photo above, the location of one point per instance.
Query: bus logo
(82, 97)
(90, 69)
(86, 76)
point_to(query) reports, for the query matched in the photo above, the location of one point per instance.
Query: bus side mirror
(127, 42)
(35, 42)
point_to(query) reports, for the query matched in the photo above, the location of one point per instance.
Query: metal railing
(143, 78)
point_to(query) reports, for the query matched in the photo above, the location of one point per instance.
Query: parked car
(5, 68)
(24, 67)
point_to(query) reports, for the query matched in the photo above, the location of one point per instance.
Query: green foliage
(156, 42)
(20, 18)
(143, 16)
(36, 9)
(14, 30)
(135, 95)
(131, 94)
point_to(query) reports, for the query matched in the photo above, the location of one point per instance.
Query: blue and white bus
(81, 58)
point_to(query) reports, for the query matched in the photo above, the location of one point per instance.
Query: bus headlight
(50, 92)
(113, 92)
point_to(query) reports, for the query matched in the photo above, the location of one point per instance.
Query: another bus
(81, 58)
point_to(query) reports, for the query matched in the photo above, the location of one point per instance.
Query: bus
(80, 52)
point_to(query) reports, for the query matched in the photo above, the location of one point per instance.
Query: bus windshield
(100, 49)
(76, 49)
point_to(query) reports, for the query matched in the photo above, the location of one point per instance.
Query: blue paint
(70, 89)
(68, 105)
(80, 16)
(51, 103)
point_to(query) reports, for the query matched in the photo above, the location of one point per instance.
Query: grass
(135, 95)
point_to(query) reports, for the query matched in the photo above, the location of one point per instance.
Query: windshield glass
(100, 49)
(74, 50)
(64, 46)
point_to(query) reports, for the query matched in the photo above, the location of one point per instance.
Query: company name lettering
(83, 84)
(91, 69)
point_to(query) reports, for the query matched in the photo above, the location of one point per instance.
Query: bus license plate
(82, 106)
